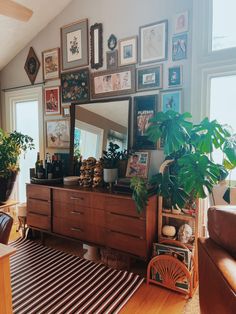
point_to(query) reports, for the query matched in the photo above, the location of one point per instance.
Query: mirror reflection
(97, 124)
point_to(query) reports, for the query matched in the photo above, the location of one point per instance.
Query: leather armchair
(6, 222)
(217, 262)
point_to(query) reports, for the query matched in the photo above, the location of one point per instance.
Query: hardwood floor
(148, 299)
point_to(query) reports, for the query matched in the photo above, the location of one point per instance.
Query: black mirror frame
(99, 42)
(72, 124)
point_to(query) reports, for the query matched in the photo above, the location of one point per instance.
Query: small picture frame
(175, 76)
(148, 78)
(32, 65)
(96, 40)
(51, 64)
(145, 108)
(74, 45)
(153, 42)
(75, 86)
(112, 42)
(112, 59)
(58, 133)
(179, 46)
(171, 100)
(127, 49)
(66, 111)
(181, 22)
(52, 103)
(138, 165)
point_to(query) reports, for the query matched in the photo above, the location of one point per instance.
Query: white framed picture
(181, 22)
(127, 51)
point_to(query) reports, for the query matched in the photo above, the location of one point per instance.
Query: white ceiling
(15, 35)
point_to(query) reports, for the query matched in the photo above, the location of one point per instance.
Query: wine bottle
(41, 171)
(37, 164)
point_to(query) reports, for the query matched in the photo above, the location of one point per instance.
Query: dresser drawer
(69, 227)
(124, 206)
(126, 243)
(39, 221)
(72, 198)
(38, 207)
(66, 210)
(95, 234)
(38, 192)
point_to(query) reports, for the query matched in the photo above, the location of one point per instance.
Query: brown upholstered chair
(217, 262)
(6, 222)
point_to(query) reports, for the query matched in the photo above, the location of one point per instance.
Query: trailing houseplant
(11, 146)
(192, 172)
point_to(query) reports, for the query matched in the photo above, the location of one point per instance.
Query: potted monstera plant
(191, 171)
(11, 146)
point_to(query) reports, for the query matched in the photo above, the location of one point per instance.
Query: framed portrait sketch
(52, 101)
(138, 165)
(175, 76)
(58, 133)
(96, 40)
(51, 64)
(179, 47)
(75, 86)
(149, 77)
(145, 107)
(74, 45)
(171, 100)
(32, 65)
(181, 22)
(153, 42)
(113, 82)
(127, 51)
(112, 59)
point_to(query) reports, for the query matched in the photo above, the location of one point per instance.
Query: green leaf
(140, 193)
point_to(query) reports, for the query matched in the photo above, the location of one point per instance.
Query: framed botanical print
(127, 51)
(51, 64)
(153, 42)
(52, 101)
(113, 82)
(171, 100)
(179, 46)
(32, 65)
(149, 77)
(58, 133)
(74, 45)
(112, 59)
(96, 39)
(138, 165)
(75, 86)
(145, 108)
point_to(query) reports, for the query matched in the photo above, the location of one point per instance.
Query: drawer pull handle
(76, 198)
(76, 229)
(75, 212)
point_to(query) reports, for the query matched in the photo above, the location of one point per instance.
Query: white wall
(123, 18)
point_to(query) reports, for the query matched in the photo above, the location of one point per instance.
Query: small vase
(110, 176)
(6, 186)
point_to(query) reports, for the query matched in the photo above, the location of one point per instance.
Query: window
(223, 24)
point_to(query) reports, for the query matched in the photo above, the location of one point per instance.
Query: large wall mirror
(95, 124)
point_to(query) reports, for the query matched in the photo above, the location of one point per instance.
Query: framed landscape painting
(74, 45)
(149, 77)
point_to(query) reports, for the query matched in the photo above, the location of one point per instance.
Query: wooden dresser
(93, 216)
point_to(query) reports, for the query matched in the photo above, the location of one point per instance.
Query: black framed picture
(149, 77)
(32, 65)
(145, 107)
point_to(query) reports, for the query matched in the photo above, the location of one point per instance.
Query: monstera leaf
(140, 193)
(229, 149)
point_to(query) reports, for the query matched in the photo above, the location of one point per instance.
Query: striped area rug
(45, 280)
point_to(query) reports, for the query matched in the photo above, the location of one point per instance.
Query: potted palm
(192, 172)
(11, 146)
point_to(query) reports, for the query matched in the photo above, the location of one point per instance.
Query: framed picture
(96, 46)
(138, 165)
(113, 82)
(112, 42)
(149, 77)
(175, 76)
(52, 100)
(179, 47)
(153, 42)
(75, 86)
(32, 65)
(127, 51)
(112, 59)
(66, 111)
(74, 45)
(58, 133)
(145, 107)
(51, 64)
(181, 22)
(171, 100)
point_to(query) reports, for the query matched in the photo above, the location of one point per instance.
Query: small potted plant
(11, 146)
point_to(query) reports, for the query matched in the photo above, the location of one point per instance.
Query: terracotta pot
(6, 186)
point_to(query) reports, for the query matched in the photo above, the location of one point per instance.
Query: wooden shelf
(179, 216)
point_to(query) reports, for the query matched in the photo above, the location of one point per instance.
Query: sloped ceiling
(15, 35)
